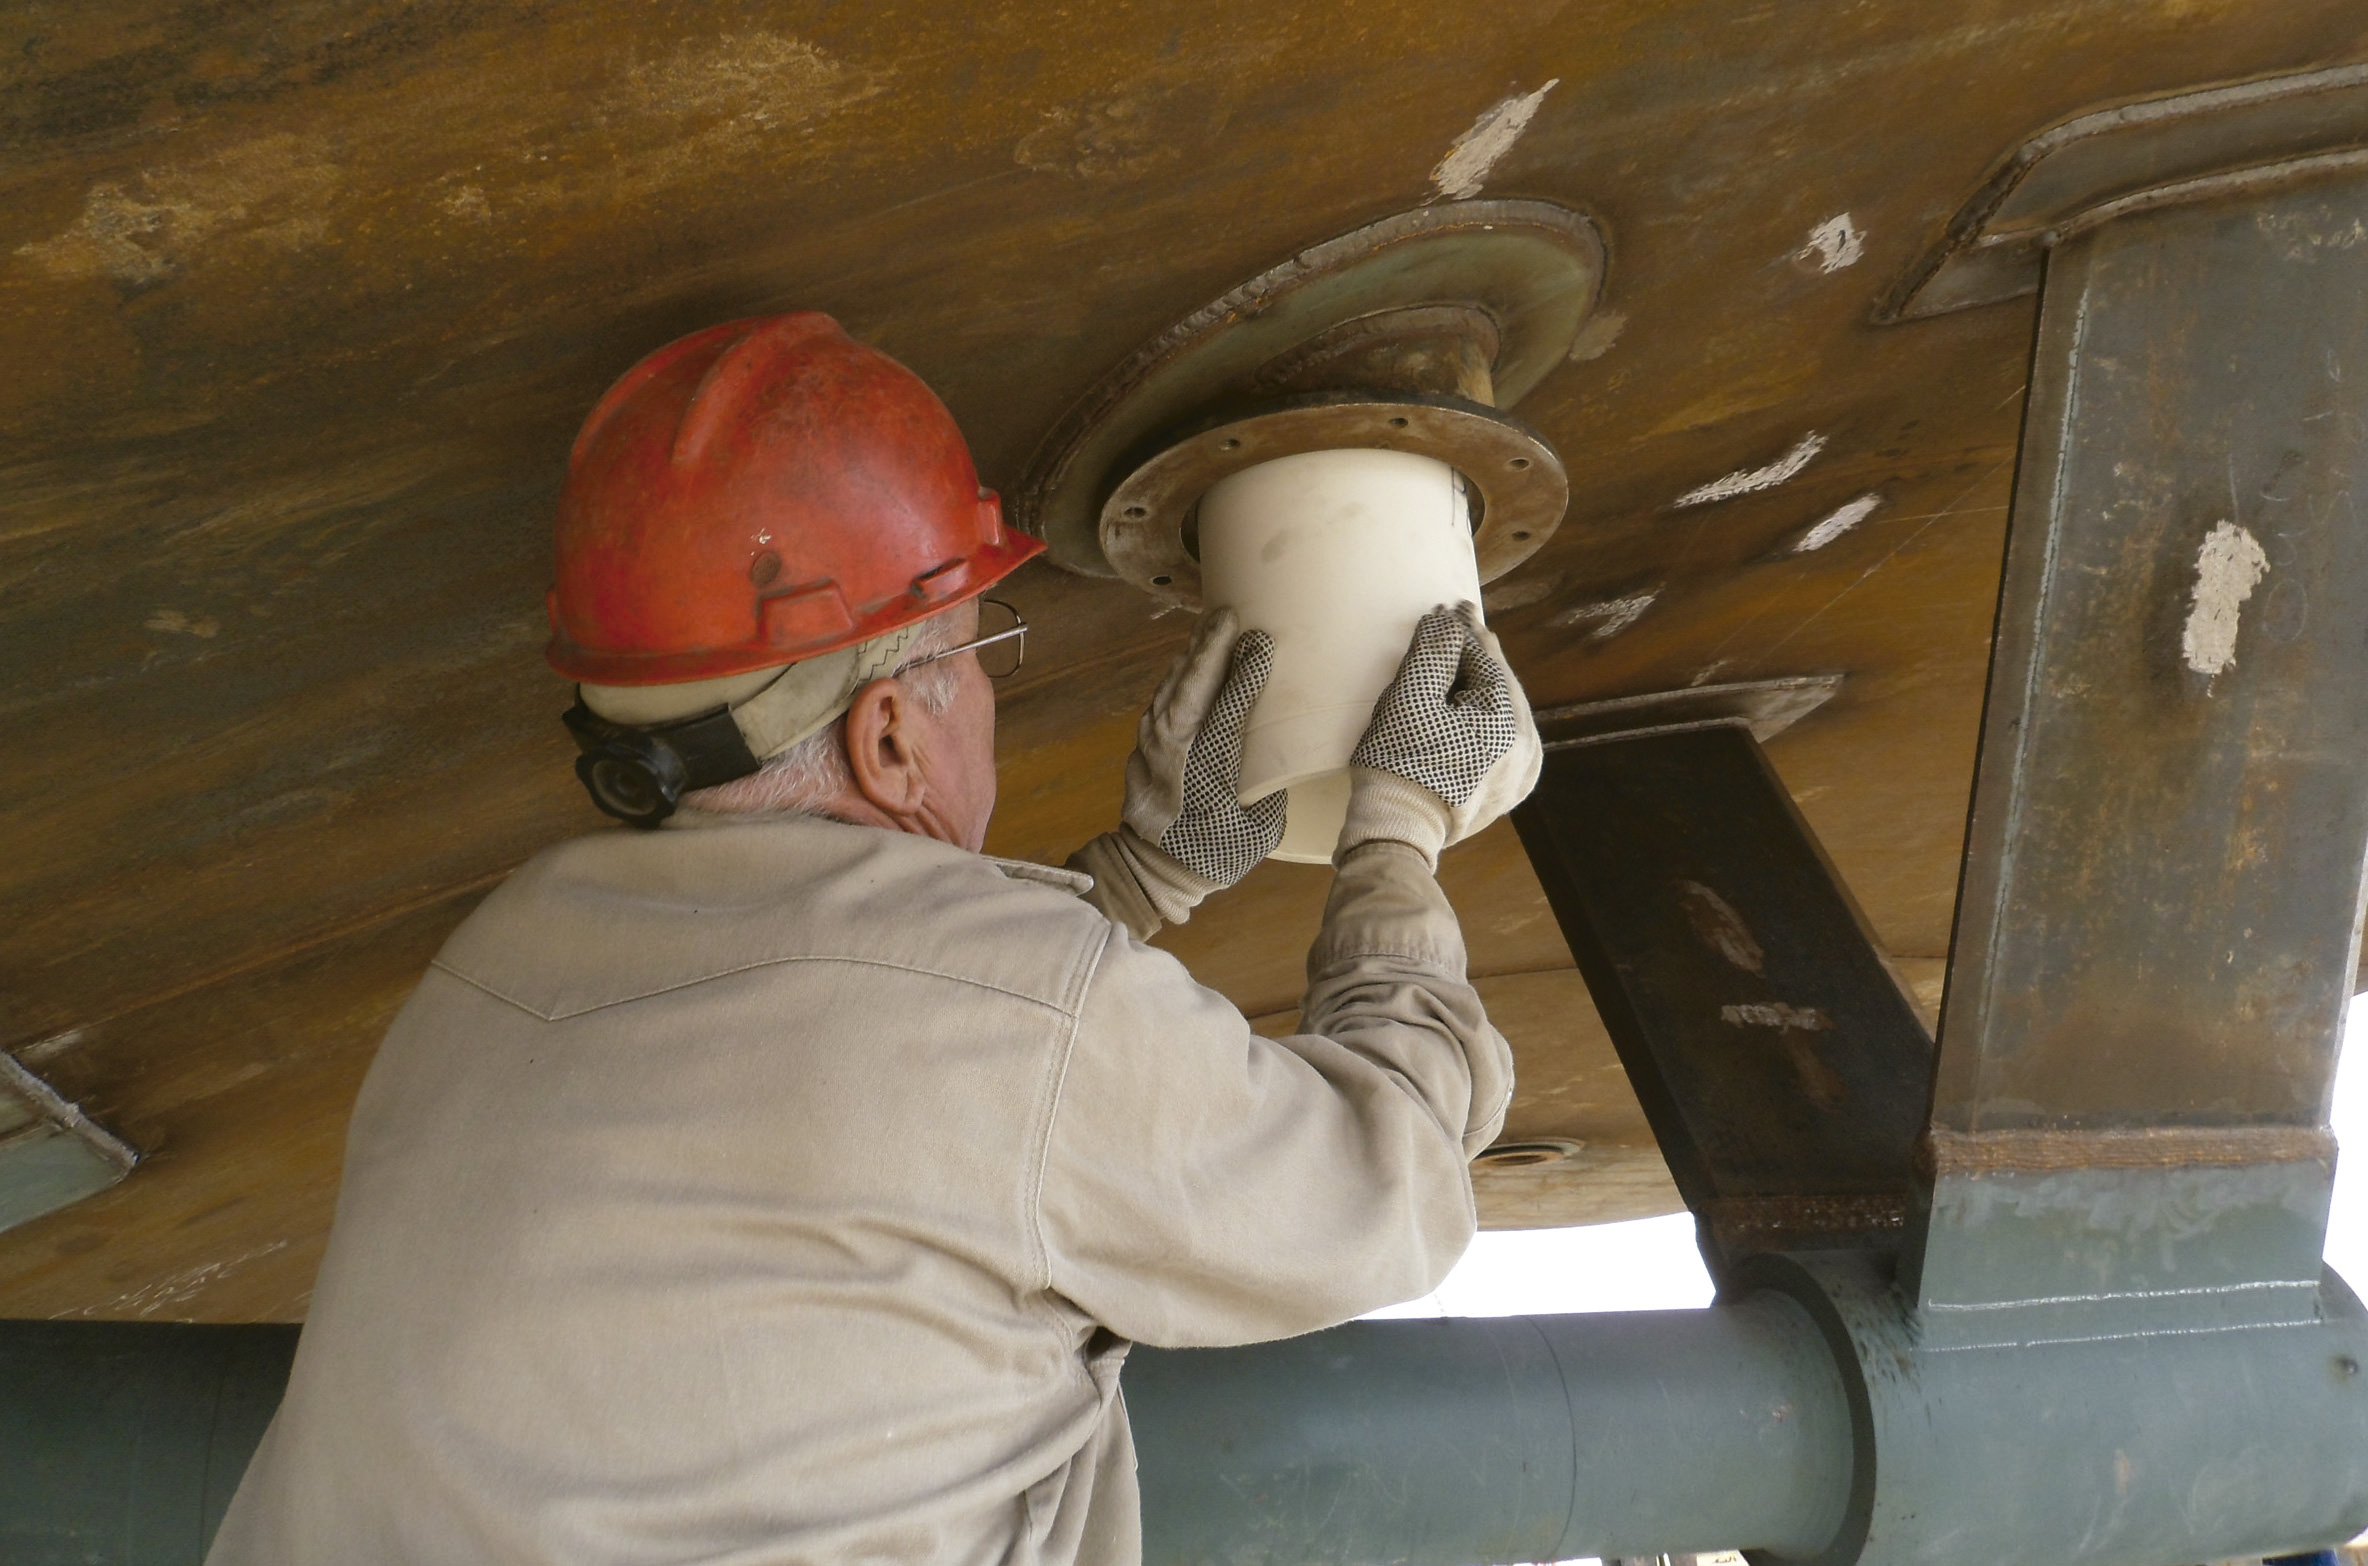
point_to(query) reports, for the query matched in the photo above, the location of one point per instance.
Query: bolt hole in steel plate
(1146, 526)
(1528, 1153)
(1530, 269)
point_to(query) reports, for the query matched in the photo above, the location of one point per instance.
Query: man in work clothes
(788, 1183)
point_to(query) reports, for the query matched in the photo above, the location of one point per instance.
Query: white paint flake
(204, 626)
(2227, 569)
(1609, 616)
(1777, 1015)
(1595, 339)
(50, 1048)
(1840, 520)
(1833, 244)
(1476, 151)
(1749, 480)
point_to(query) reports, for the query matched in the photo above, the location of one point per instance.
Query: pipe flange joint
(1518, 484)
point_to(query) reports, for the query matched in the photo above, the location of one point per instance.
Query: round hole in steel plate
(1527, 1154)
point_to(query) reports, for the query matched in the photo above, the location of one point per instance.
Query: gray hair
(807, 776)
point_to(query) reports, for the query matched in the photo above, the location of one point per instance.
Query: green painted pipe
(1807, 1422)
(123, 1440)
(1449, 1441)
(2123, 1449)
(1476, 1440)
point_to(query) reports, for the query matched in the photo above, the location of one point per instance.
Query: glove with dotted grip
(1184, 831)
(1451, 746)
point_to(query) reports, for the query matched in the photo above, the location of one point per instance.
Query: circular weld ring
(1523, 487)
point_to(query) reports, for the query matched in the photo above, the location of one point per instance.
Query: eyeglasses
(1001, 643)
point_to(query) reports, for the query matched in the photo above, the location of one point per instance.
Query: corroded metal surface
(2164, 870)
(2166, 852)
(301, 308)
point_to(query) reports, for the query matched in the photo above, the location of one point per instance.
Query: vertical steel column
(2160, 913)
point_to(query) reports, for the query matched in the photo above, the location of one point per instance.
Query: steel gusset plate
(1532, 269)
(1776, 1056)
(2236, 140)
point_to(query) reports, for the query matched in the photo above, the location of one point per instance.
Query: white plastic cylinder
(1336, 554)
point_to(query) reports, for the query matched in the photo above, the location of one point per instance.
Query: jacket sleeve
(1203, 1185)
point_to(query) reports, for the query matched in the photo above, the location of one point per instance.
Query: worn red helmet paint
(761, 492)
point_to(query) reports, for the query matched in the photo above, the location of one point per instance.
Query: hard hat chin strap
(637, 765)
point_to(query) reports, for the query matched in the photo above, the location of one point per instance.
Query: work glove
(1451, 746)
(1184, 831)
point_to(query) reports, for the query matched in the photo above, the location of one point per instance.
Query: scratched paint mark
(2300, 236)
(2228, 566)
(1747, 481)
(719, 104)
(1775, 1014)
(1595, 339)
(41, 1050)
(1151, 124)
(276, 189)
(205, 627)
(1794, 1025)
(1465, 168)
(175, 1288)
(1718, 926)
(1609, 616)
(1833, 244)
(1835, 523)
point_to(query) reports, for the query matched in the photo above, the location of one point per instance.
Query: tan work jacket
(785, 1191)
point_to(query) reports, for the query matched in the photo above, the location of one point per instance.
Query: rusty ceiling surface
(301, 303)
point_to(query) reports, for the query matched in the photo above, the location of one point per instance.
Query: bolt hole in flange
(1516, 487)
(1459, 303)
(1395, 347)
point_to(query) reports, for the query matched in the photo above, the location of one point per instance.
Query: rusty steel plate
(1518, 478)
(1533, 268)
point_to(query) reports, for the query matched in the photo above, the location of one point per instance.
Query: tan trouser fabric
(788, 1192)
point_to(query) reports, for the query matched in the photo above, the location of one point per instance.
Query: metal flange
(1520, 489)
(1430, 315)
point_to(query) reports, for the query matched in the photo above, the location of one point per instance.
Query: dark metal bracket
(1776, 1054)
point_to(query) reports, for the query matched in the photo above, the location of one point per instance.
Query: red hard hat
(759, 493)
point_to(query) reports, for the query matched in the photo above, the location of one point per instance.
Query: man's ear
(884, 749)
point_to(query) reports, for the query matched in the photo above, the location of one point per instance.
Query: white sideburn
(1335, 554)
